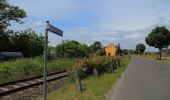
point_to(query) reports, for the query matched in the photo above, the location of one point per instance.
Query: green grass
(27, 67)
(153, 57)
(93, 88)
(61, 64)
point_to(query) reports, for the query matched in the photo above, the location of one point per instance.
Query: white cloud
(111, 39)
(113, 20)
(132, 36)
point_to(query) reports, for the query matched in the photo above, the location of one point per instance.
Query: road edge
(110, 93)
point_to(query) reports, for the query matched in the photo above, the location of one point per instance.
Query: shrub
(72, 49)
(85, 66)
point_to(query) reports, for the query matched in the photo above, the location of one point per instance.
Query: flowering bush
(85, 66)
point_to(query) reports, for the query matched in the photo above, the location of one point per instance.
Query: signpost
(56, 31)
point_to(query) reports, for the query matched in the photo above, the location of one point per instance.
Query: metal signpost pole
(59, 32)
(45, 61)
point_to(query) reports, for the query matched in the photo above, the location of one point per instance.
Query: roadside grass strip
(153, 57)
(93, 88)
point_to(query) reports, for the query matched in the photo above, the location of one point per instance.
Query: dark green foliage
(101, 52)
(169, 51)
(8, 13)
(159, 38)
(95, 46)
(140, 48)
(125, 51)
(119, 50)
(28, 42)
(132, 51)
(72, 49)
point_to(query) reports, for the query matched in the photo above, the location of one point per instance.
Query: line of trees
(159, 38)
(27, 41)
(76, 49)
(73, 48)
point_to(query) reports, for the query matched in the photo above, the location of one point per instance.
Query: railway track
(19, 85)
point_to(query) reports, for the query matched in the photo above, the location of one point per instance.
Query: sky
(127, 22)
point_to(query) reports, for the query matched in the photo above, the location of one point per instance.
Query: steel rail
(51, 77)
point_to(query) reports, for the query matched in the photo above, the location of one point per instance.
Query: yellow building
(110, 50)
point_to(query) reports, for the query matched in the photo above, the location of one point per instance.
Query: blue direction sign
(55, 30)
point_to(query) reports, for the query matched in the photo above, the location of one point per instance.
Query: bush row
(28, 67)
(85, 66)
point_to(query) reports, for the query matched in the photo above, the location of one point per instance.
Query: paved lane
(144, 80)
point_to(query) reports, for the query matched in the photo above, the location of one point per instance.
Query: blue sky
(110, 21)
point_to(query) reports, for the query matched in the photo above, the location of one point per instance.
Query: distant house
(110, 50)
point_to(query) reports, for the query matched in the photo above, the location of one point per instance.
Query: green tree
(100, 52)
(125, 51)
(119, 50)
(140, 48)
(96, 46)
(159, 38)
(169, 51)
(28, 42)
(8, 13)
(72, 49)
(132, 51)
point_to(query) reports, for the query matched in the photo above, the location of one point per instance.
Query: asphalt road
(143, 80)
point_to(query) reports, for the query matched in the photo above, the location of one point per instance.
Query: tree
(119, 50)
(168, 51)
(132, 51)
(140, 48)
(96, 46)
(8, 13)
(100, 52)
(28, 42)
(125, 51)
(72, 49)
(159, 38)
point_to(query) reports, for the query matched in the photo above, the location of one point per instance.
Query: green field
(28, 67)
(153, 57)
(93, 88)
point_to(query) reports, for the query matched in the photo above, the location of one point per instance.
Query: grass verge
(27, 67)
(93, 88)
(153, 57)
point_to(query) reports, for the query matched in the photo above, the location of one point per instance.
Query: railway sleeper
(4, 89)
(15, 86)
